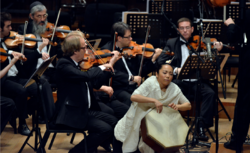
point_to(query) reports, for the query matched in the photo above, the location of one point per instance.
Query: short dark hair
(120, 28)
(183, 20)
(159, 66)
(4, 17)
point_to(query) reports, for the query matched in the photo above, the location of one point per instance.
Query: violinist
(11, 83)
(37, 26)
(77, 106)
(126, 77)
(181, 54)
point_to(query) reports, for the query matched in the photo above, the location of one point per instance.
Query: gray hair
(37, 8)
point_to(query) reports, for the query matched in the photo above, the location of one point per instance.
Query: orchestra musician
(156, 92)
(37, 26)
(7, 104)
(11, 83)
(241, 113)
(126, 78)
(181, 52)
(77, 107)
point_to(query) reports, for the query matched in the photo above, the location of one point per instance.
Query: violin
(4, 54)
(61, 31)
(195, 43)
(134, 49)
(218, 3)
(14, 40)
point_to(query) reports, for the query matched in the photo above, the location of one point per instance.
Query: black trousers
(207, 95)
(14, 85)
(242, 107)
(7, 107)
(100, 128)
(125, 95)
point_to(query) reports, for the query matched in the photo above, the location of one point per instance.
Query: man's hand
(172, 105)
(16, 57)
(229, 21)
(137, 79)
(108, 67)
(158, 106)
(114, 58)
(218, 46)
(45, 43)
(178, 70)
(108, 90)
(45, 56)
(157, 54)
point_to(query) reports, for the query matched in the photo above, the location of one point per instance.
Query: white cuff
(102, 67)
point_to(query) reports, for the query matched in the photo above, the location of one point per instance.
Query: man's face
(39, 17)
(126, 39)
(82, 51)
(185, 29)
(6, 29)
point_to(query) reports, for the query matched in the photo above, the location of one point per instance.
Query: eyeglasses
(83, 48)
(182, 28)
(42, 16)
(128, 37)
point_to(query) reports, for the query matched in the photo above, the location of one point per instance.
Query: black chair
(52, 128)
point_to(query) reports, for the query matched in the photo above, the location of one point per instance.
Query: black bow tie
(182, 43)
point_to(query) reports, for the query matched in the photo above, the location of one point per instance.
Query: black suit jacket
(174, 45)
(29, 66)
(72, 104)
(120, 79)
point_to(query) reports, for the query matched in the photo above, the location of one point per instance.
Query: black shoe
(24, 130)
(41, 120)
(201, 134)
(232, 145)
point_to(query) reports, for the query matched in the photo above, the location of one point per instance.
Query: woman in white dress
(156, 92)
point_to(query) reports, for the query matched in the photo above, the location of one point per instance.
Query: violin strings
(90, 46)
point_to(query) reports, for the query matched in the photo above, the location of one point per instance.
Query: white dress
(127, 128)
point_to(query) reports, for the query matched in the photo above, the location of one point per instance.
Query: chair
(51, 128)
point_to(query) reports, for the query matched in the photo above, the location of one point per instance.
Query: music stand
(36, 78)
(207, 71)
(95, 43)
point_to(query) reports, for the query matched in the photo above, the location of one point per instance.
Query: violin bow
(142, 58)
(54, 30)
(24, 33)
(114, 45)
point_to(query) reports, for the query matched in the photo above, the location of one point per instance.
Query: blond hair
(72, 43)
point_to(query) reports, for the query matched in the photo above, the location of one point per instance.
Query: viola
(61, 31)
(4, 54)
(195, 43)
(134, 49)
(14, 40)
(90, 59)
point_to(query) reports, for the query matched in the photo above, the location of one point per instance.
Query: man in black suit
(37, 26)
(77, 107)
(181, 53)
(11, 82)
(242, 107)
(126, 77)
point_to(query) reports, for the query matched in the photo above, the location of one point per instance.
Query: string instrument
(218, 3)
(14, 40)
(134, 49)
(90, 59)
(195, 43)
(4, 54)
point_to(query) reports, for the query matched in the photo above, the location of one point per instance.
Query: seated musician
(156, 91)
(12, 83)
(126, 76)
(7, 104)
(77, 107)
(37, 26)
(181, 53)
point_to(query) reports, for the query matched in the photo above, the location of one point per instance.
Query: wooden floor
(11, 143)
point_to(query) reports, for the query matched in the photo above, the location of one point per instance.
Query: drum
(164, 132)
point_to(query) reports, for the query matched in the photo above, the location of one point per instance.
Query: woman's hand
(172, 105)
(158, 106)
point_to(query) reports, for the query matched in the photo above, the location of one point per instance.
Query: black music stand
(36, 78)
(207, 70)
